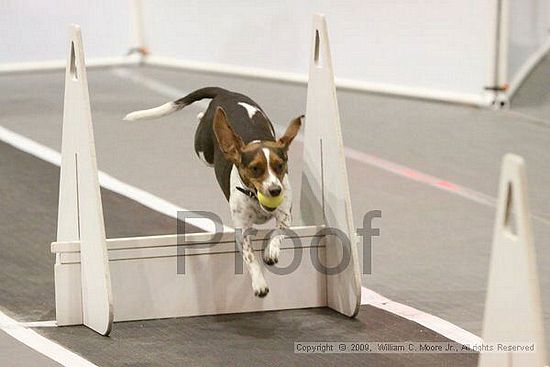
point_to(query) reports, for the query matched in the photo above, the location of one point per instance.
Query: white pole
(138, 27)
(497, 78)
(503, 40)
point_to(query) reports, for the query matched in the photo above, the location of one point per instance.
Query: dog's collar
(251, 194)
(244, 189)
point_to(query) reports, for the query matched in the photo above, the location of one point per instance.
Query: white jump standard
(513, 311)
(99, 280)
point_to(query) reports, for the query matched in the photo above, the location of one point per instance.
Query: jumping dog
(237, 138)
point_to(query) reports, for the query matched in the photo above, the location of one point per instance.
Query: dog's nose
(275, 192)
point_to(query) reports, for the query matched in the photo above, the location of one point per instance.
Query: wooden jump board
(146, 284)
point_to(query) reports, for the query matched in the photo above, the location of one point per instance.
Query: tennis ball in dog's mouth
(270, 202)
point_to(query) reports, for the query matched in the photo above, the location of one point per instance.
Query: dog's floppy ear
(230, 143)
(291, 131)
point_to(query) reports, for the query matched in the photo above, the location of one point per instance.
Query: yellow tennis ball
(270, 202)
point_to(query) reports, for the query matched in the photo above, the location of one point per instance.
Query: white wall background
(529, 30)
(36, 30)
(433, 44)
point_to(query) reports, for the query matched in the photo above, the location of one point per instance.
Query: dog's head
(261, 164)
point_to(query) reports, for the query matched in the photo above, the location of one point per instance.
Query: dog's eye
(279, 167)
(256, 170)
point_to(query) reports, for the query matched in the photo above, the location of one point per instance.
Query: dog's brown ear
(230, 143)
(291, 131)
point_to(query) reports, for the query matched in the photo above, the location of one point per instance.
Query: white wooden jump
(99, 280)
(513, 312)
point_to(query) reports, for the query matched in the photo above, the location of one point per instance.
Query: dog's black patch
(249, 129)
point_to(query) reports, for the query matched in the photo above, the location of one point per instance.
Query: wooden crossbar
(149, 247)
(189, 239)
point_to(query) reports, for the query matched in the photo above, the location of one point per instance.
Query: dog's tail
(171, 107)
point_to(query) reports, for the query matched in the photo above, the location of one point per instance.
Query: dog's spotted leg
(259, 285)
(271, 252)
(283, 219)
(242, 218)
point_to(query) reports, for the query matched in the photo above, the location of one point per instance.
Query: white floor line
(440, 326)
(105, 180)
(49, 323)
(41, 344)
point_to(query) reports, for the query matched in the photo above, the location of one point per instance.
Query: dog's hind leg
(203, 141)
(203, 159)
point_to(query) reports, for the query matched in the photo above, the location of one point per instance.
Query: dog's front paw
(271, 256)
(271, 252)
(260, 287)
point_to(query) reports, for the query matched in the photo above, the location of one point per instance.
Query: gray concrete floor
(434, 247)
(28, 192)
(16, 354)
